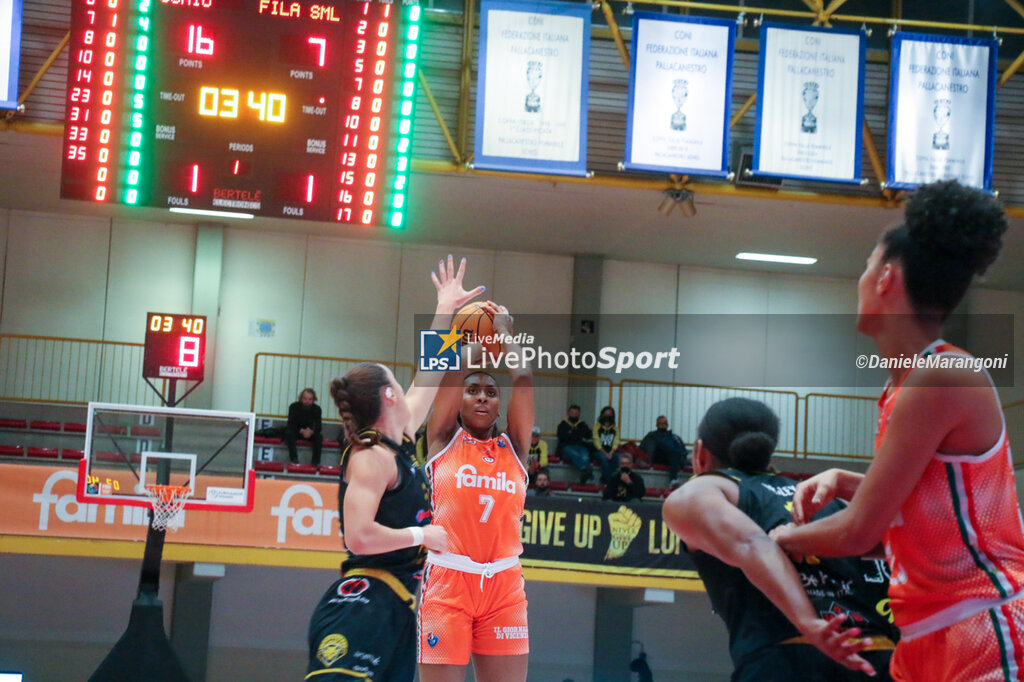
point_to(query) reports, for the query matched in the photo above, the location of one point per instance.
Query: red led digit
(197, 42)
(309, 189)
(188, 351)
(195, 178)
(321, 43)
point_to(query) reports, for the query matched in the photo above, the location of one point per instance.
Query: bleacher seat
(275, 467)
(12, 450)
(70, 453)
(48, 453)
(331, 445)
(559, 485)
(148, 431)
(116, 429)
(329, 470)
(260, 440)
(554, 459)
(13, 424)
(301, 468)
(74, 427)
(654, 492)
(660, 467)
(107, 456)
(585, 487)
(44, 425)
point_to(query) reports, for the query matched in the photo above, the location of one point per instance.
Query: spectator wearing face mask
(576, 443)
(665, 447)
(606, 442)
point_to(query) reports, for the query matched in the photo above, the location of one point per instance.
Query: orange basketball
(477, 324)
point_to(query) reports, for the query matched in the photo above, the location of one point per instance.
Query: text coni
(466, 477)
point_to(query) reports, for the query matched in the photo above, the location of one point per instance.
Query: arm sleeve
(293, 416)
(647, 444)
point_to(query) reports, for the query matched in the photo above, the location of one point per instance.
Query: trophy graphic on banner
(941, 112)
(809, 123)
(534, 72)
(680, 89)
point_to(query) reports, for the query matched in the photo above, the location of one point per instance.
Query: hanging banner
(531, 110)
(810, 103)
(10, 52)
(680, 87)
(941, 110)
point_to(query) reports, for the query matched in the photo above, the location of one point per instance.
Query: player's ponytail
(740, 433)
(357, 397)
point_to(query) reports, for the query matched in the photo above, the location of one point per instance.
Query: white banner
(10, 52)
(532, 86)
(810, 103)
(679, 96)
(941, 111)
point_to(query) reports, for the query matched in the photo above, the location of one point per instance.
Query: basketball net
(168, 503)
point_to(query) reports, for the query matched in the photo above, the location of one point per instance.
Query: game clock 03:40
(278, 108)
(175, 347)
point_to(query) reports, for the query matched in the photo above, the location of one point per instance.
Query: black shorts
(363, 628)
(791, 662)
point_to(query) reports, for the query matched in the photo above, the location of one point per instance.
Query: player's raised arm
(450, 296)
(520, 406)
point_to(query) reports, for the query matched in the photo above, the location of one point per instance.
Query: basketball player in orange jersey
(940, 491)
(472, 602)
(364, 626)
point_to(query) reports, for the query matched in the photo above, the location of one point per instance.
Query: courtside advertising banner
(531, 112)
(680, 87)
(810, 103)
(941, 110)
(10, 52)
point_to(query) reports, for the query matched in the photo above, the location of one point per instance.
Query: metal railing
(642, 402)
(840, 426)
(48, 369)
(278, 378)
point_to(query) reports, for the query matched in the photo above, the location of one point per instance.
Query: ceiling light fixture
(683, 198)
(213, 214)
(773, 258)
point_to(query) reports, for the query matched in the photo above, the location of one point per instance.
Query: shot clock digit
(280, 108)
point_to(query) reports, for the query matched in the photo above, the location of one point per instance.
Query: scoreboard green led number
(260, 107)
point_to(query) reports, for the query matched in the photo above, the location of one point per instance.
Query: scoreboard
(278, 108)
(175, 347)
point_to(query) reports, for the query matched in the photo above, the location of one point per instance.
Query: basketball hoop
(168, 503)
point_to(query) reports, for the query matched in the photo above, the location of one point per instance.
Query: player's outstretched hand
(435, 538)
(813, 494)
(842, 646)
(448, 283)
(780, 534)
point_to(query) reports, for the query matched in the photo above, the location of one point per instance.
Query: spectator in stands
(576, 443)
(542, 488)
(304, 422)
(626, 484)
(665, 447)
(606, 442)
(537, 458)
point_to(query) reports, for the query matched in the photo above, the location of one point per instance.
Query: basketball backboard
(129, 447)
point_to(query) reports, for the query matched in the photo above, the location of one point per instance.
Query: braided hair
(357, 396)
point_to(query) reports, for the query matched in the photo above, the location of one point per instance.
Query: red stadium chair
(559, 485)
(328, 470)
(147, 431)
(48, 453)
(74, 427)
(331, 444)
(116, 429)
(275, 467)
(13, 424)
(44, 425)
(68, 453)
(301, 468)
(11, 450)
(585, 488)
(260, 440)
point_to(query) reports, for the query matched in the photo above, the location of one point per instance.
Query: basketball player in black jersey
(776, 612)
(365, 625)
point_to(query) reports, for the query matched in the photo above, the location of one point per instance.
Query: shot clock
(175, 347)
(279, 108)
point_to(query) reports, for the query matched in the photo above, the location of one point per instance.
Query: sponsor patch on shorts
(512, 632)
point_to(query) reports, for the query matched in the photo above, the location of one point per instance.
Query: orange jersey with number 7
(478, 492)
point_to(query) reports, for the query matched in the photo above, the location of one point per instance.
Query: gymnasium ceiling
(558, 218)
